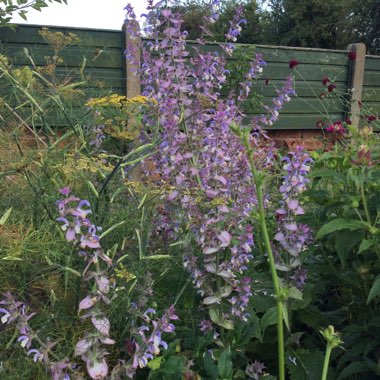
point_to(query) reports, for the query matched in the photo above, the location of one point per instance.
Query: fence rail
(103, 52)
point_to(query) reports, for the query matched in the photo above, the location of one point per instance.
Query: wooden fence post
(357, 80)
(132, 82)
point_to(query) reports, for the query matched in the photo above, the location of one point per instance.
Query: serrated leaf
(375, 290)
(337, 225)
(365, 244)
(355, 367)
(269, 318)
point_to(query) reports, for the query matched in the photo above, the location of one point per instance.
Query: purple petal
(101, 324)
(82, 347)
(97, 370)
(225, 238)
(87, 302)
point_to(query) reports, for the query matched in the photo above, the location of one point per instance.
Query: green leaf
(375, 290)
(295, 294)
(305, 365)
(355, 367)
(155, 364)
(218, 319)
(269, 318)
(92, 188)
(337, 225)
(225, 369)
(365, 244)
(345, 241)
(210, 366)
(5, 216)
(328, 173)
(109, 230)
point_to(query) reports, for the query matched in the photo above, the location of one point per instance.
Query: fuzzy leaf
(211, 300)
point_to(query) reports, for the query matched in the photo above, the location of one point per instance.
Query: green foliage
(21, 7)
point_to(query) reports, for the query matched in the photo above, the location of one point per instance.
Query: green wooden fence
(103, 50)
(371, 85)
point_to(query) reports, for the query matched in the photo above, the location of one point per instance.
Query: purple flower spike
(291, 237)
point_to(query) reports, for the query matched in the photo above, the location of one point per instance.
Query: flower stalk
(259, 179)
(333, 340)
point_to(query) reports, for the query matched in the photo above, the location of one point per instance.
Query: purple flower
(292, 237)
(205, 325)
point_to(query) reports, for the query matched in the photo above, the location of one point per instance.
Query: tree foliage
(8, 8)
(304, 23)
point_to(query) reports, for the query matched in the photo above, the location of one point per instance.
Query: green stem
(257, 177)
(326, 362)
(364, 199)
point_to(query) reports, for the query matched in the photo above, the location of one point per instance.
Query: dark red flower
(371, 118)
(331, 87)
(322, 95)
(320, 124)
(352, 55)
(293, 63)
(325, 80)
(348, 121)
(336, 127)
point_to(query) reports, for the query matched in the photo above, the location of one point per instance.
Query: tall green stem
(258, 180)
(326, 362)
(364, 199)
(333, 340)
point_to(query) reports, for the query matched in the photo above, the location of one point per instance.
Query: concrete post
(357, 79)
(132, 43)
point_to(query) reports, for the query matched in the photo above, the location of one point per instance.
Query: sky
(99, 14)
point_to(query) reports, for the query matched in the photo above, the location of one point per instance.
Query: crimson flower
(325, 80)
(336, 127)
(352, 56)
(331, 87)
(371, 118)
(293, 63)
